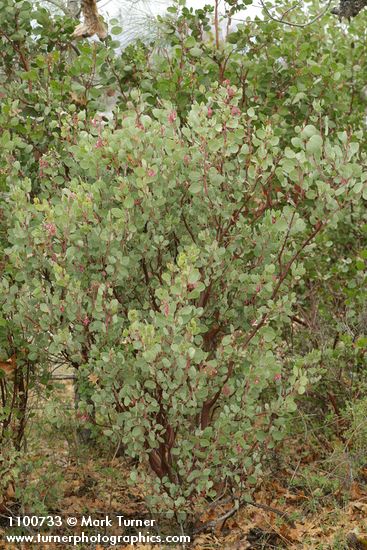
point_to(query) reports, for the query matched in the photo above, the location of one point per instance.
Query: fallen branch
(222, 519)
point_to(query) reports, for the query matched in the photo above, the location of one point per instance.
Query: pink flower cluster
(172, 117)
(50, 228)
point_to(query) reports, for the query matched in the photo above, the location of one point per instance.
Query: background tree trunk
(74, 8)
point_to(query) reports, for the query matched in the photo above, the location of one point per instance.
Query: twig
(235, 509)
(299, 321)
(187, 226)
(216, 23)
(299, 25)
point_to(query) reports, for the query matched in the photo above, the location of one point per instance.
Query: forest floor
(308, 499)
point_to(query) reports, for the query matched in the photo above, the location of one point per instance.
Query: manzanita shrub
(165, 270)
(167, 256)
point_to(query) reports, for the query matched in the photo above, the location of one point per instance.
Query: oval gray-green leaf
(309, 130)
(314, 144)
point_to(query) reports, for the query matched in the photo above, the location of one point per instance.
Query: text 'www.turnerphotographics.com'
(88, 529)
